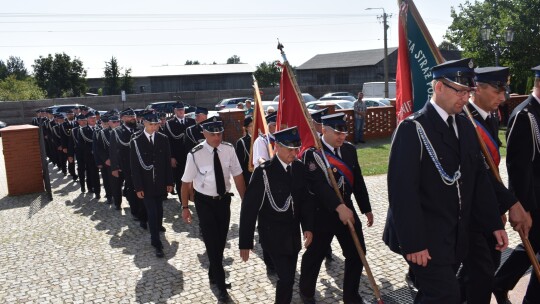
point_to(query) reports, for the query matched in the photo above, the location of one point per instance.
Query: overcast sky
(153, 33)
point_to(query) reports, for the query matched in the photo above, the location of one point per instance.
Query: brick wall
(22, 159)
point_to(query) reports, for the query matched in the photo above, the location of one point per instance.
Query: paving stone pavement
(75, 249)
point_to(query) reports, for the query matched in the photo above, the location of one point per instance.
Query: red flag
(292, 110)
(404, 106)
(259, 123)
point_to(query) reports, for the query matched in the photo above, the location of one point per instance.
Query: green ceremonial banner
(423, 55)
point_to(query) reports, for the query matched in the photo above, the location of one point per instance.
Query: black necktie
(218, 171)
(336, 152)
(289, 170)
(151, 141)
(450, 121)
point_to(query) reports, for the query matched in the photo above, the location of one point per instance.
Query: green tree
(14, 89)
(127, 82)
(448, 46)
(267, 74)
(60, 76)
(520, 15)
(13, 66)
(3, 70)
(192, 62)
(233, 60)
(112, 77)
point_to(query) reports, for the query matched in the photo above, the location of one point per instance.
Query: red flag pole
(259, 124)
(318, 145)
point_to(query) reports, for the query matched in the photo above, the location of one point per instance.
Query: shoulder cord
(535, 134)
(75, 138)
(321, 164)
(55, 133)
(433, 154)
(267, 192)
(245, 149)
(104, 138)
(143, 165)
(119, 140)
(64, 130)
(84, 136)
(171, 132)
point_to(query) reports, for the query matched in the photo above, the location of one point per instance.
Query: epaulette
(196, 148)
(227, 144)
(263, 165)
(136, 135)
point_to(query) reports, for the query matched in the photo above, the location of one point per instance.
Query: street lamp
(385, 23)
(495, 45)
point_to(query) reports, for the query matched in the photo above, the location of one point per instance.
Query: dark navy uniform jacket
(153, 182)
(279, 232)
(523, 156)
(326, 202)
(424, 212)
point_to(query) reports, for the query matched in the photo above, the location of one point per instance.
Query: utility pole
(385, 24)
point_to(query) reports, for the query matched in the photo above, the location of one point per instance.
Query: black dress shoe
(159, 253)
(75, 177)
(501, 296)
(143, 225)
(83, 189)
(306, 299)
(162, 229)
(223, 296)
(109, 200)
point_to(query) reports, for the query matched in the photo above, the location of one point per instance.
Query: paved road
(75, 249)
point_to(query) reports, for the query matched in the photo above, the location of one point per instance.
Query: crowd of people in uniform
(447, 209)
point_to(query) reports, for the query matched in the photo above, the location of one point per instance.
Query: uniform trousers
(93, 175)
(154, 209)
(81, 171)
(518, 263)
(316, 252)
(437, 284)
(214, 218)
(285, 266)
(135, 204)
(116, 188)
(62, 159)
(105, 175)
(477, 276)
(71, 167)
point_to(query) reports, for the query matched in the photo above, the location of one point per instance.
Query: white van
(376, 89)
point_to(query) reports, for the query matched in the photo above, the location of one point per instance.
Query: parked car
(349, 98)
(2, 124)
(377, 102)
(231, 102)
(340, 104)
(307, 98)
(339, 94)
(62, 109)
(167, 107)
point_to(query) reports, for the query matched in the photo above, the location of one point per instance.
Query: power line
(178, 44)
(179, 29)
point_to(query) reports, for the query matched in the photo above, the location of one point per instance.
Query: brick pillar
(22, 159)
(233, 123)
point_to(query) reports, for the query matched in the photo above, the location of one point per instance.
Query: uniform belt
(228, 194)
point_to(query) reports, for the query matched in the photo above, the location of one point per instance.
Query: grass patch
(373, 156)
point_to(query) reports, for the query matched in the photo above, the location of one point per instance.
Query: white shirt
(180, 120)
(482, 113)
(330, 147)
(445, 115)
(149, 136)
(260, 150)
(200, 168)
(536, 97)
